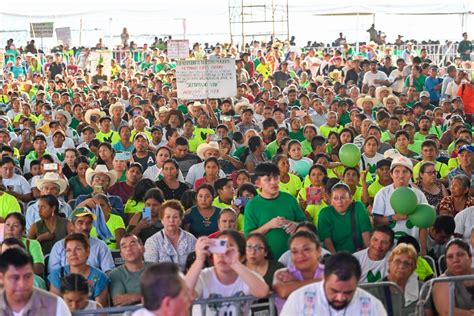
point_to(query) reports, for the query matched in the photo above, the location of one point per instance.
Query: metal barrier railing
(108, 310)
(254, 302)
(425, 291)
(397, 294)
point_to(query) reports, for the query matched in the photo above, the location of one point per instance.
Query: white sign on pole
(44, 29)
(63, 34)
(201, 79)
(100, 57)
(178, 49)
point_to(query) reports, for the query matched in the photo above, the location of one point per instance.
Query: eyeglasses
(256, 248)
(430, 172)
(405, 264)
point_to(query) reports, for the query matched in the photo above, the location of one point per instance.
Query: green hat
(81, 212)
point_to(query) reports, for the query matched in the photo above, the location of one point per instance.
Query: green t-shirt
(272, 148)
(34, 248)
(218, 203)
(199, 137)
(133, 207)
(325, 130)
(345, 118)
(8, 204)
(123, 281)
(293, 186)
(115, 222)
(418, 83)
(441, 169)
(298, 135)
(110, 137)
(419, 137)
(423, 268)
(306, 146)
(338, 227)
(312, 209)
(374, 188)
(260, 211)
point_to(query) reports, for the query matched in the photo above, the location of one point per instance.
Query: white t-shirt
(369, 78)
(311, 300)
(397, 84)
(313, 64)
(452, 89)
(370, 163)
(19, 184)
(209, 286)
(372, 271)
(382, 207)
(465, 223)
(154, 174)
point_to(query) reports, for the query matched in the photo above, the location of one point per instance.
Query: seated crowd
(112, 190)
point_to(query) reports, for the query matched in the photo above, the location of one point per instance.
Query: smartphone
(219, 246)
(226, 118)
(241, 201)
(136, 113)
(94, 119)
(314, 195)
(125, 156)
(50, 167)
(146, 213)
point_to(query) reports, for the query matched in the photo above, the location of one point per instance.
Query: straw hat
(101, 169)
(241, 105)
(91, 112)
(66, 114)
(361, 100)
(391, 97)
(379, 90)
(116, 105)
(52, 177)
(201, 150)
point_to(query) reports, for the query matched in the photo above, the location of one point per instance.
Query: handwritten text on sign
(201, 79)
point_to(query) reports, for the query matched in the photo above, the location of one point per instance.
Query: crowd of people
(116, 192)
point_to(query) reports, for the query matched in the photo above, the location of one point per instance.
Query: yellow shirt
(441, 169)
(115, 222)
(312, 209)
(293, 186)
(8, 204)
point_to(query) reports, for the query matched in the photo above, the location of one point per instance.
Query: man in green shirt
(272, 213)
(125, 280)
(383, 177)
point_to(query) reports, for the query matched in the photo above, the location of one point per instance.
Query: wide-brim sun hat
(101, 169)
(53, 177)
(202, 148)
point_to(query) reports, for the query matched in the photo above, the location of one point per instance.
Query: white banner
(44, 29)
(201, 79)
(178, 49)
(100, 57)
(63, 34)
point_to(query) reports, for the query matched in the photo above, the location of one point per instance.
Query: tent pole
(357, 34)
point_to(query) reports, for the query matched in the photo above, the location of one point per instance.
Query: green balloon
(424, 216)
(349, 155)
(403, 200)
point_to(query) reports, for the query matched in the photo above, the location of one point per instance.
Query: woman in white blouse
(171, 244)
